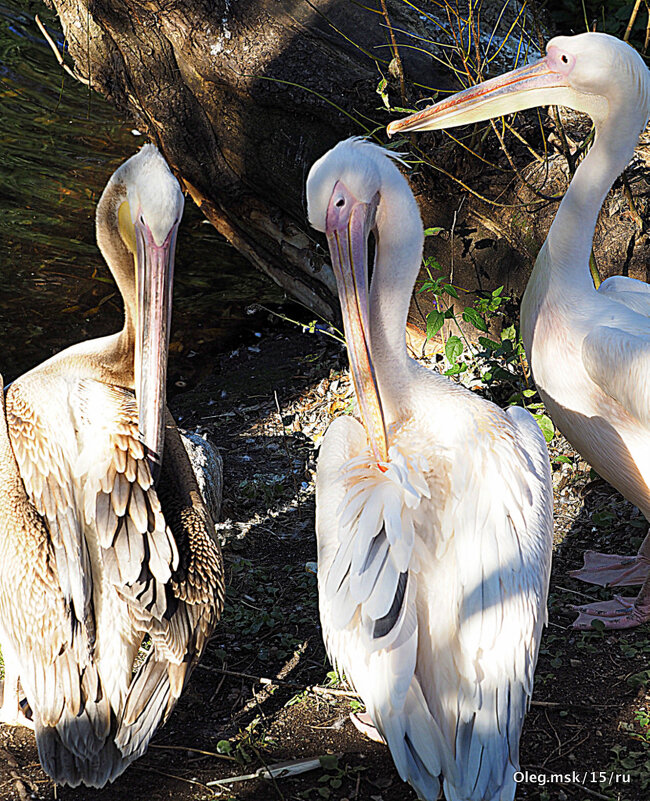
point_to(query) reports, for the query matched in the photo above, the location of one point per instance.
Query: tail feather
(152, 695)
(71, 753)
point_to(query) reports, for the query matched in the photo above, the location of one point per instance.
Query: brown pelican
(95, 556)
(588, 349)
(433, 516)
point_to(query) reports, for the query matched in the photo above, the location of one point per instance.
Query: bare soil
(261, 694)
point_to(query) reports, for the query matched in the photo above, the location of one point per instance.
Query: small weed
(268, 608)
(263, 487)
(331, 780)
(356, 705)
(634, 764)
(642, 718)
(333, 678)
(247, 743)
(638, 680)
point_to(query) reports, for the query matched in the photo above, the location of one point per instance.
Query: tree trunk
(242, 96)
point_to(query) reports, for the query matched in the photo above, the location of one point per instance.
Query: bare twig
(630, 24)
(58, 56)
(140, 766)
(193, 750)
(331, 691)
(395, 52)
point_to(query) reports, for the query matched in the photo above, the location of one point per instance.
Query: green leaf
(490, 344)
(472, 316)
(224, 747)
(455, 370)
(450, 290)
(564, 459)
(497, 292)
(508, 333)
(548, 430)
(329, 761)
(433, 231)
(528, 393)
(435, 322)
(453, 348)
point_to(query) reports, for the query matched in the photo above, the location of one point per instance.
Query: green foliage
(632, 763)
(335, 773)
(256, 608)
(496, 367)
(263, 487)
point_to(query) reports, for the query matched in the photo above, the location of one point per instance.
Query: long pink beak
(533, 85)
(348, 226)
(155, 278)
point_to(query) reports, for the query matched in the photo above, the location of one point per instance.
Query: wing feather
(46, 465)
(87, 455)
(435, 613)
(629, 292)
(619, 363)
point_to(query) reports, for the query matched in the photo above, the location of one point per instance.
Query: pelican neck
(399, 240)
(571, 235)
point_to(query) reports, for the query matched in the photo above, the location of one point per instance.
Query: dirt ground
(265, 693)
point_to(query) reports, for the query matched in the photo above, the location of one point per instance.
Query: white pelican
(94, 557)
(589, 350)
(433, 517)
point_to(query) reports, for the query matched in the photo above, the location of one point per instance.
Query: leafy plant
(497, 366)
(632, 764)
(332, 779)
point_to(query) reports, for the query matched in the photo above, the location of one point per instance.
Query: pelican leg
(612, 570)
(619, 613)
(12, 712)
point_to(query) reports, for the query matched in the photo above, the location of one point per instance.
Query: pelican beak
(348, 226)
(535, 84)
(154, 280)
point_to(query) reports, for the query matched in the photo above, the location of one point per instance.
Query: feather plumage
(433, 564)
(95, 556)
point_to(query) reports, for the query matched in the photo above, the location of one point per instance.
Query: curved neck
(570, 238)
(118, 352)
(399, 241)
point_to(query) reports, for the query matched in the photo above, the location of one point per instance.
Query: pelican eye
(564, 58)
(340, 202)
(142, 218)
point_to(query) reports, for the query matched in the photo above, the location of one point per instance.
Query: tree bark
(242, 96)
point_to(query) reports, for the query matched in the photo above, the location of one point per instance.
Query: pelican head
(344, 191)
(591, 72)
(148, 215)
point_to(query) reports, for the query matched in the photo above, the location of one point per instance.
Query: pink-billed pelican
(433, 516)
(93, 555)
(588, 349)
